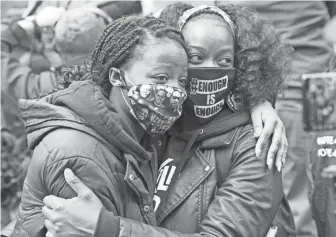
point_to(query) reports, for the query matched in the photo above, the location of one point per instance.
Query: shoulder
(82, 153)
(72, 142)
(66, 145)
(245, 134)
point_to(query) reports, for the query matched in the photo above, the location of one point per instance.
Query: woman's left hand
(266, 122)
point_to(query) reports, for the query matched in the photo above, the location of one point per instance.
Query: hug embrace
(166, 132)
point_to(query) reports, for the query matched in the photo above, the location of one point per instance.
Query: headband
(187, 14)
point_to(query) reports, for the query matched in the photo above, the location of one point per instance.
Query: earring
(234, 102)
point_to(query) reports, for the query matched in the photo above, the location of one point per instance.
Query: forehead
(160, 52)
(208, 30)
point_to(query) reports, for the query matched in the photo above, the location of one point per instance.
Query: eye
(225, 62)
(195, 59)
(162, 78)
(182, 81)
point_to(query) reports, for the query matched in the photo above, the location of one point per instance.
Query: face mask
(207, 90)
(156, 107)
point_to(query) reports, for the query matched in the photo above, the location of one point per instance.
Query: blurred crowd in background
(38, 38)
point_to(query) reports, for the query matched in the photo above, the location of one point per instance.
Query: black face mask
(207, 90)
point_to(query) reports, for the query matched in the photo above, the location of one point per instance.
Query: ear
(115, 77)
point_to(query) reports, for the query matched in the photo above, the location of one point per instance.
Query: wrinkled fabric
(201, 203)
(79, 128)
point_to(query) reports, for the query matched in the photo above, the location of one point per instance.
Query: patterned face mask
(156, 107)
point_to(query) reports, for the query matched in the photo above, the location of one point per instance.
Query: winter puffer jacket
(221, 190)
(79, 128)
(91, 137)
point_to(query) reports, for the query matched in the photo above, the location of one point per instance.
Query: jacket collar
(82, 104)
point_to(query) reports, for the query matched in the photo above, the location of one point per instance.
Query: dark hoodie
(79, 128)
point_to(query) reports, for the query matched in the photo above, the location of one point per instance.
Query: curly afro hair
(262, 61)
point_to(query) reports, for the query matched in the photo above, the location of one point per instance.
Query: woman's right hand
(266, 122)
(72, 217)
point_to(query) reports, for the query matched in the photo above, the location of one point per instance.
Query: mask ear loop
(123, 80)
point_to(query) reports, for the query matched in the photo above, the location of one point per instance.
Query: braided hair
(116, 47)
(119, 40)
(262, 61)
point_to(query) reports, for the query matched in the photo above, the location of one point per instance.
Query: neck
(124, 110)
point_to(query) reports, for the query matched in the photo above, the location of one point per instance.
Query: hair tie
(187, 14)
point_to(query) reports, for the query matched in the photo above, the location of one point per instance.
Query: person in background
(37, 52)
(115, 9)
(75, 36)
(34, 50)
(76, 33)
(300, 24)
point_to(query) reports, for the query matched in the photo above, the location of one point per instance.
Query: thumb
(272, 231)
(76, 184)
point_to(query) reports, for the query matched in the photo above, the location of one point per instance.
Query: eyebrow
(159, 66)
(224, 49)
(163, 63)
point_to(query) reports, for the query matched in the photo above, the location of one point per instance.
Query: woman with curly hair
(210, 182)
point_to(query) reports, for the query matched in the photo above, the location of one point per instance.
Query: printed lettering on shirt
(166, 172)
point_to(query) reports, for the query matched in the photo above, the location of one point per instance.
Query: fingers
(265, 134)
(54, 228)
(277, 147)
(53, 202)
(272, 231)
(285, 145)
(281, 154)
(48, 213)
(257, 123)
(76, 184)
(50, 228)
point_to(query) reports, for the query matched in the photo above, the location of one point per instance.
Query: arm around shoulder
(251, 193)
(245, 204)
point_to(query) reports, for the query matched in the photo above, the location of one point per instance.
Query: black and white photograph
(167, 118)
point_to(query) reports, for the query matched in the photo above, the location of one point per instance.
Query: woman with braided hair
(92, 125)
(210, 182)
